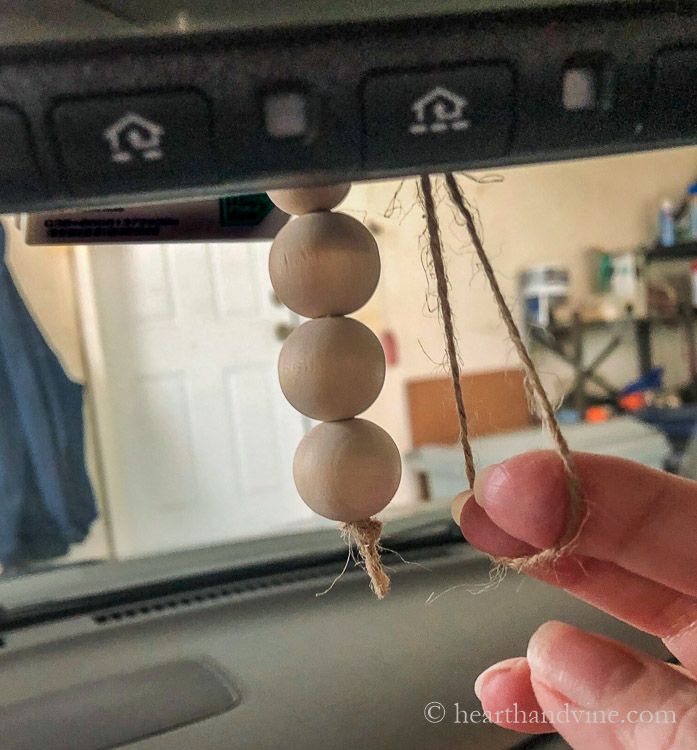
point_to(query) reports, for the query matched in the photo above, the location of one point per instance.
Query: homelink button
(439, 116)
(119, 143)
(671, 110)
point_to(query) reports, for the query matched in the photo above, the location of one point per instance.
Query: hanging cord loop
(538, 398)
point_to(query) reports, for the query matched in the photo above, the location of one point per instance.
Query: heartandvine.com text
(435, 713)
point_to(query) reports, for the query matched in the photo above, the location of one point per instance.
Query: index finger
(641, 519)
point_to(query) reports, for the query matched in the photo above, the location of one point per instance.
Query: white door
(195, 436)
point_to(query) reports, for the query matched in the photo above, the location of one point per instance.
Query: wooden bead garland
(347, 469)
(326, 265)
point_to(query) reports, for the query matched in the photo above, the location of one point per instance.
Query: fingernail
(580, 666)
(459, 504)
(495, 669)
(480, 483)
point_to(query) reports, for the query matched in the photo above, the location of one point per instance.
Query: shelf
(564, 330)
(681, 250)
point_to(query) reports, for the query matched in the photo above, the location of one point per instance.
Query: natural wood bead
(324, 264)
(309, 200)
(347, 471)
(331, 368)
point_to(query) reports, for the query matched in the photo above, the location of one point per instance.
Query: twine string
(538, 398)
(446, 315)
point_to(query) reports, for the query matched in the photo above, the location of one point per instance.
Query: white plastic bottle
(666, 220)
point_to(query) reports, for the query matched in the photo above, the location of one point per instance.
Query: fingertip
(500, 668)
(582, 668)
(544, 639)
(481, 532)
(571, 669)
(526, 496)
(506, 693)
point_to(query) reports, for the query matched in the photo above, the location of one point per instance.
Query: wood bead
(331, 368)
(310, 200)
(347, 471)
(324, 264)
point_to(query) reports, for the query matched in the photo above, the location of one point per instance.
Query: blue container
(692, 197)
(676, 424)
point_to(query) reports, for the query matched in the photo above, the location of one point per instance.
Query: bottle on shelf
(666, 221)
(692, 209)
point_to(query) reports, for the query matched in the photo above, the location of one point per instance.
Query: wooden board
(494, 401)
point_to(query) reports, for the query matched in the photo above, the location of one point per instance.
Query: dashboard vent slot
(194, 598)
(201, 597)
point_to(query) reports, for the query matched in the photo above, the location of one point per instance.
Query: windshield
(144, 433)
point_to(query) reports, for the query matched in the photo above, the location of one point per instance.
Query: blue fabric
(46, 500)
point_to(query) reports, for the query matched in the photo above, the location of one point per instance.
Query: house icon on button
(438, 111)
(133, 135)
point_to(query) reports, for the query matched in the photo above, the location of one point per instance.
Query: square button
(580, 89)
(286, 114)
(448, 116)
(121, 143)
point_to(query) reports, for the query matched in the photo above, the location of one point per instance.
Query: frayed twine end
(366, 536)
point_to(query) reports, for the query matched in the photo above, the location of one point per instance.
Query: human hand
(636, 559)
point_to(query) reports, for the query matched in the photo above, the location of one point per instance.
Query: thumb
(599, 693)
